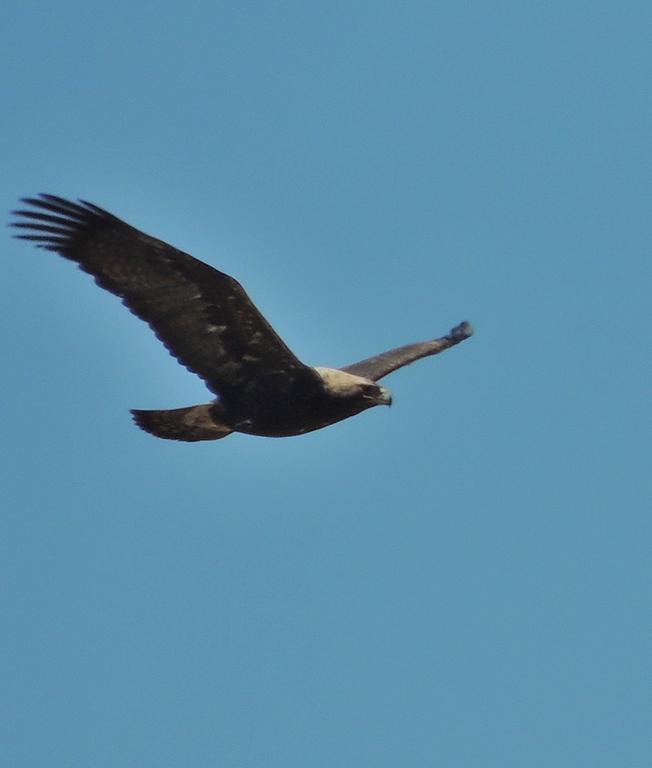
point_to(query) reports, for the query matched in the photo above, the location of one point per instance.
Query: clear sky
(460, 580)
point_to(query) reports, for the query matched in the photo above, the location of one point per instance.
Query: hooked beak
(384, 397)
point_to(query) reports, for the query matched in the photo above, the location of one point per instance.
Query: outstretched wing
(203, 316)
(375, 368)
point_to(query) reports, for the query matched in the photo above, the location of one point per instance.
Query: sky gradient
(460, 580)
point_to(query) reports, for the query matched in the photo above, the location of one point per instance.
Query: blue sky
(460, 580)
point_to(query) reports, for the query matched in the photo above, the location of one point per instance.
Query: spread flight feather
(206, 320)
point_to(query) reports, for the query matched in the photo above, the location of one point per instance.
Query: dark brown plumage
(207, 321)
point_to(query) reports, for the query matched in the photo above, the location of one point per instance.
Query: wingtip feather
(462, 331)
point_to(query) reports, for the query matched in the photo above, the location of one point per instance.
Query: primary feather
(206, 320)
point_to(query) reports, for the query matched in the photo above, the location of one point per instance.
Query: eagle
(207, 321)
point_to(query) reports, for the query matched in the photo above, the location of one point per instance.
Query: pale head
(342, 384)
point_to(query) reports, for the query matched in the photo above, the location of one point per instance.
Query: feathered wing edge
(203, 316)
(376, 367)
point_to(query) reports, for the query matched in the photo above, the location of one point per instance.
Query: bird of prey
(207, 321)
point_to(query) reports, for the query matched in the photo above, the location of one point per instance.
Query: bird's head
(345, 385)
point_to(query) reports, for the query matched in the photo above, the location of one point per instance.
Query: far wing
(203, 316)
(375, 368)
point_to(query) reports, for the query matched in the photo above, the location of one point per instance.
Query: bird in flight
(207, 321)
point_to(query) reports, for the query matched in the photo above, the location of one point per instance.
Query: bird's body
(207, 321)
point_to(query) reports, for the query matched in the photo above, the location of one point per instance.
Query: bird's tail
(189, 424)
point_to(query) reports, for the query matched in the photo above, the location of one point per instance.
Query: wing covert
(203, 316)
